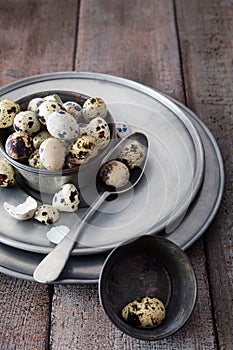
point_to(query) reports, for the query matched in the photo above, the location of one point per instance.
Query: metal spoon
(52, 265)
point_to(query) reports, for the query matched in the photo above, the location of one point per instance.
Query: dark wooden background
(184, 48)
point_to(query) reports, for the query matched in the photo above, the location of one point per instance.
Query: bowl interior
(149, 266)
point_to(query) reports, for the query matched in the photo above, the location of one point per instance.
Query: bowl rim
(121, 324)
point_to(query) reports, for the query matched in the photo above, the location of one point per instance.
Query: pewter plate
(86, 268)
(172, 178)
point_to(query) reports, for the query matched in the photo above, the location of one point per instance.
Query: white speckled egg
(27, 121)
(47, 214)
(39, 138)
(144, 312)
(34, 104)
(45, 109)
(7, 173)
(99, 129)
(8, 110)
(62, 125)
(52, 154)
(94, 107)
(73, 108)
(19, 145)
(67, 198)
(34, 160)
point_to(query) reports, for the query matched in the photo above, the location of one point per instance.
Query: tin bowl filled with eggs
(55, 137)
(147, 287)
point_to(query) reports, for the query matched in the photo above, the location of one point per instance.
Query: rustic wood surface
(184, 48)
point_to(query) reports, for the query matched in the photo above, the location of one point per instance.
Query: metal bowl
(46, 181)
(148, 266)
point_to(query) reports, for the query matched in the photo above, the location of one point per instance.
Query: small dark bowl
(148, 266)
(43, 180)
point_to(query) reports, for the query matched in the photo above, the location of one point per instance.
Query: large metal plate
(172, 178)
(86, 268)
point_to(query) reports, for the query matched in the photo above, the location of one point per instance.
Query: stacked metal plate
(178, 196)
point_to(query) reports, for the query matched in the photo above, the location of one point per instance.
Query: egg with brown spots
(99, 129)
(66, 198)
(7, 173)
(27, 121)
(94, 107)
(46, 214)
(8, 110)
(19, 145)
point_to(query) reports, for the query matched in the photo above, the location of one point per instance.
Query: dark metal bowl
(46, 181)
(148, 266)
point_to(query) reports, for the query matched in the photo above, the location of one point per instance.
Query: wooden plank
(205, 29)
(107, 43)
(36, 37)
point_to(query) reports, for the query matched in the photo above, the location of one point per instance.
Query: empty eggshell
(8, 110)
(57, 233)
(23, 211)
(67, 198)
(7, 173)
(99, 129)
(62, 125)
(94, 107)
(52, 154)
(27, 121)
(47, 214)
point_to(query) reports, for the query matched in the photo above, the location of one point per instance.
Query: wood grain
(207, 49)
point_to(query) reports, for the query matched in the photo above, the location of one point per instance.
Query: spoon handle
(52, 265)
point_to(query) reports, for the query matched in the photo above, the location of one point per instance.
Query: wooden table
(185, 49)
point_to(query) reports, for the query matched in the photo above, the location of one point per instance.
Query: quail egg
(45, 109)
(73, 108)
(8, 110)
(144, 312)
(122, 129)
(52, 154)
(23, 211)
(99, 129)
(82, 150)
(47, 214)
(54, 98)
(39, 138)
(67, 198)
(34, 160)
(62, 125)
(94, 107)
(7, 173)
(114, 173)
(19, 145)
(132, 153)
(34, 104)
(27, 121)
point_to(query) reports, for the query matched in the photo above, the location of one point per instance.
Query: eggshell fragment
(52, 154)
(23, 211)
(7, 173)
(47, 214)
(66, 199)
(57, 233)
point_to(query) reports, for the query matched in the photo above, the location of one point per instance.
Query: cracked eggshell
(7, 173)
(94, 107)
(39, 138)
(19, 145)
(45, 109)
(46, 214)
(99, 129)
(74, 109)
(27, 121)
(23, 211)
(144, 312)
(62, 125)
(52, 154)
(8, 110)
(67, 198)
(57, 233)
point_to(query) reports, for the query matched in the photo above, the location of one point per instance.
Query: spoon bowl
(52, 265)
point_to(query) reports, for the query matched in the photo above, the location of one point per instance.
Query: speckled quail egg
(8, 110)
(52, 154)
(99, 129)
(82, 150)
(47, 214)
(114, 173)
(23, 211)
(94, 107)
(34, 160)
(74, 109)
(27, 121)
(19, 145)
(34, 104)
(39, 138)
(144, 312)
(122, 129)
(7, 173)
(132, 153)
(67, 198)
(62, 125)
(45, 109)
(54, 97)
